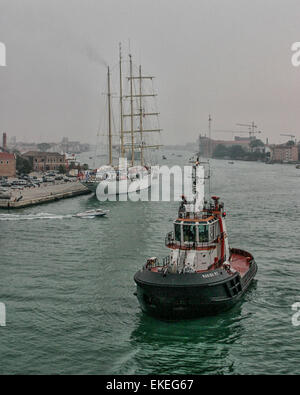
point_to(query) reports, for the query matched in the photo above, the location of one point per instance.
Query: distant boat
(231, 163)
(164, 157)
(92, 213)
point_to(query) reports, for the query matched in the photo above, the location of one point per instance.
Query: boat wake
(30, 217)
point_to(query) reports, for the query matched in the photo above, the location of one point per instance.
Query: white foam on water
(30, 217)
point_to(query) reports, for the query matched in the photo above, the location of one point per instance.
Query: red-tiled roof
(6, 156)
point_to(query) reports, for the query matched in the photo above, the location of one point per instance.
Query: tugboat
(202, 275)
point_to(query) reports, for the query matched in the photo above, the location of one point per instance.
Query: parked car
(17, 187)
(20, 182)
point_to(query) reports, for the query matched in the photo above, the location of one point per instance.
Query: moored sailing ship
(132, 171)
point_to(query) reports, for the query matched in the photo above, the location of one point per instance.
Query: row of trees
(237, 152)
(24, 166)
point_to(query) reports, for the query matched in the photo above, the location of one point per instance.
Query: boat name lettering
(209, 275)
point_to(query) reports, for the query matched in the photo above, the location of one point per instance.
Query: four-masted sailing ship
(132, 170)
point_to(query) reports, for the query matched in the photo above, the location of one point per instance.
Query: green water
(67, 284)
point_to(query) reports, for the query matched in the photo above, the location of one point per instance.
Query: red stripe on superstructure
(222, 239)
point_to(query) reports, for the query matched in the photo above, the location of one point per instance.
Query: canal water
(67, 284)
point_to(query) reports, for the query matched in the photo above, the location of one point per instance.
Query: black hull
(184, 296)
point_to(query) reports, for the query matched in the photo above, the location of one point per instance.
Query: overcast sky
(230, 58)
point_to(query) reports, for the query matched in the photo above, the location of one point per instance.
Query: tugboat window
(189, 233)
(177, 232)
(203, 233)
(212, 232)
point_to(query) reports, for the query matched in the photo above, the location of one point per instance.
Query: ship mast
(131, 112)
(109, 117)
(210, 154)
(141, 116)
(139, 113)
(121, 106)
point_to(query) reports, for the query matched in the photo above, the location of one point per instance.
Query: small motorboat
(92, 213)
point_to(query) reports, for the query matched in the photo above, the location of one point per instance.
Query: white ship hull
(114, 187)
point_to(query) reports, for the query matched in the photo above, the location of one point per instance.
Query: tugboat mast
(210, 154)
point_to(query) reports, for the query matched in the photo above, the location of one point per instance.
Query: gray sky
(230, 58)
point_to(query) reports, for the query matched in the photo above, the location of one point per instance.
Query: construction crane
(251, 127)
(291, 136)
(251, 133)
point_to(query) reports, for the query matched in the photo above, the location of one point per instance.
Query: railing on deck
(170, 242)
(165, 262)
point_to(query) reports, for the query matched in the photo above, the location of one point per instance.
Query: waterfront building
(207, 145)
(285, 153)
(45, 161)
(7, 164)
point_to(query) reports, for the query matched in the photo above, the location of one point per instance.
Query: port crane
(251, 130)
(251, 126)
(291, 136)
(251, 133)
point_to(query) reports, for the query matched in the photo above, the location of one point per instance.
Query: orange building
(285, 153)
(8, 164)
